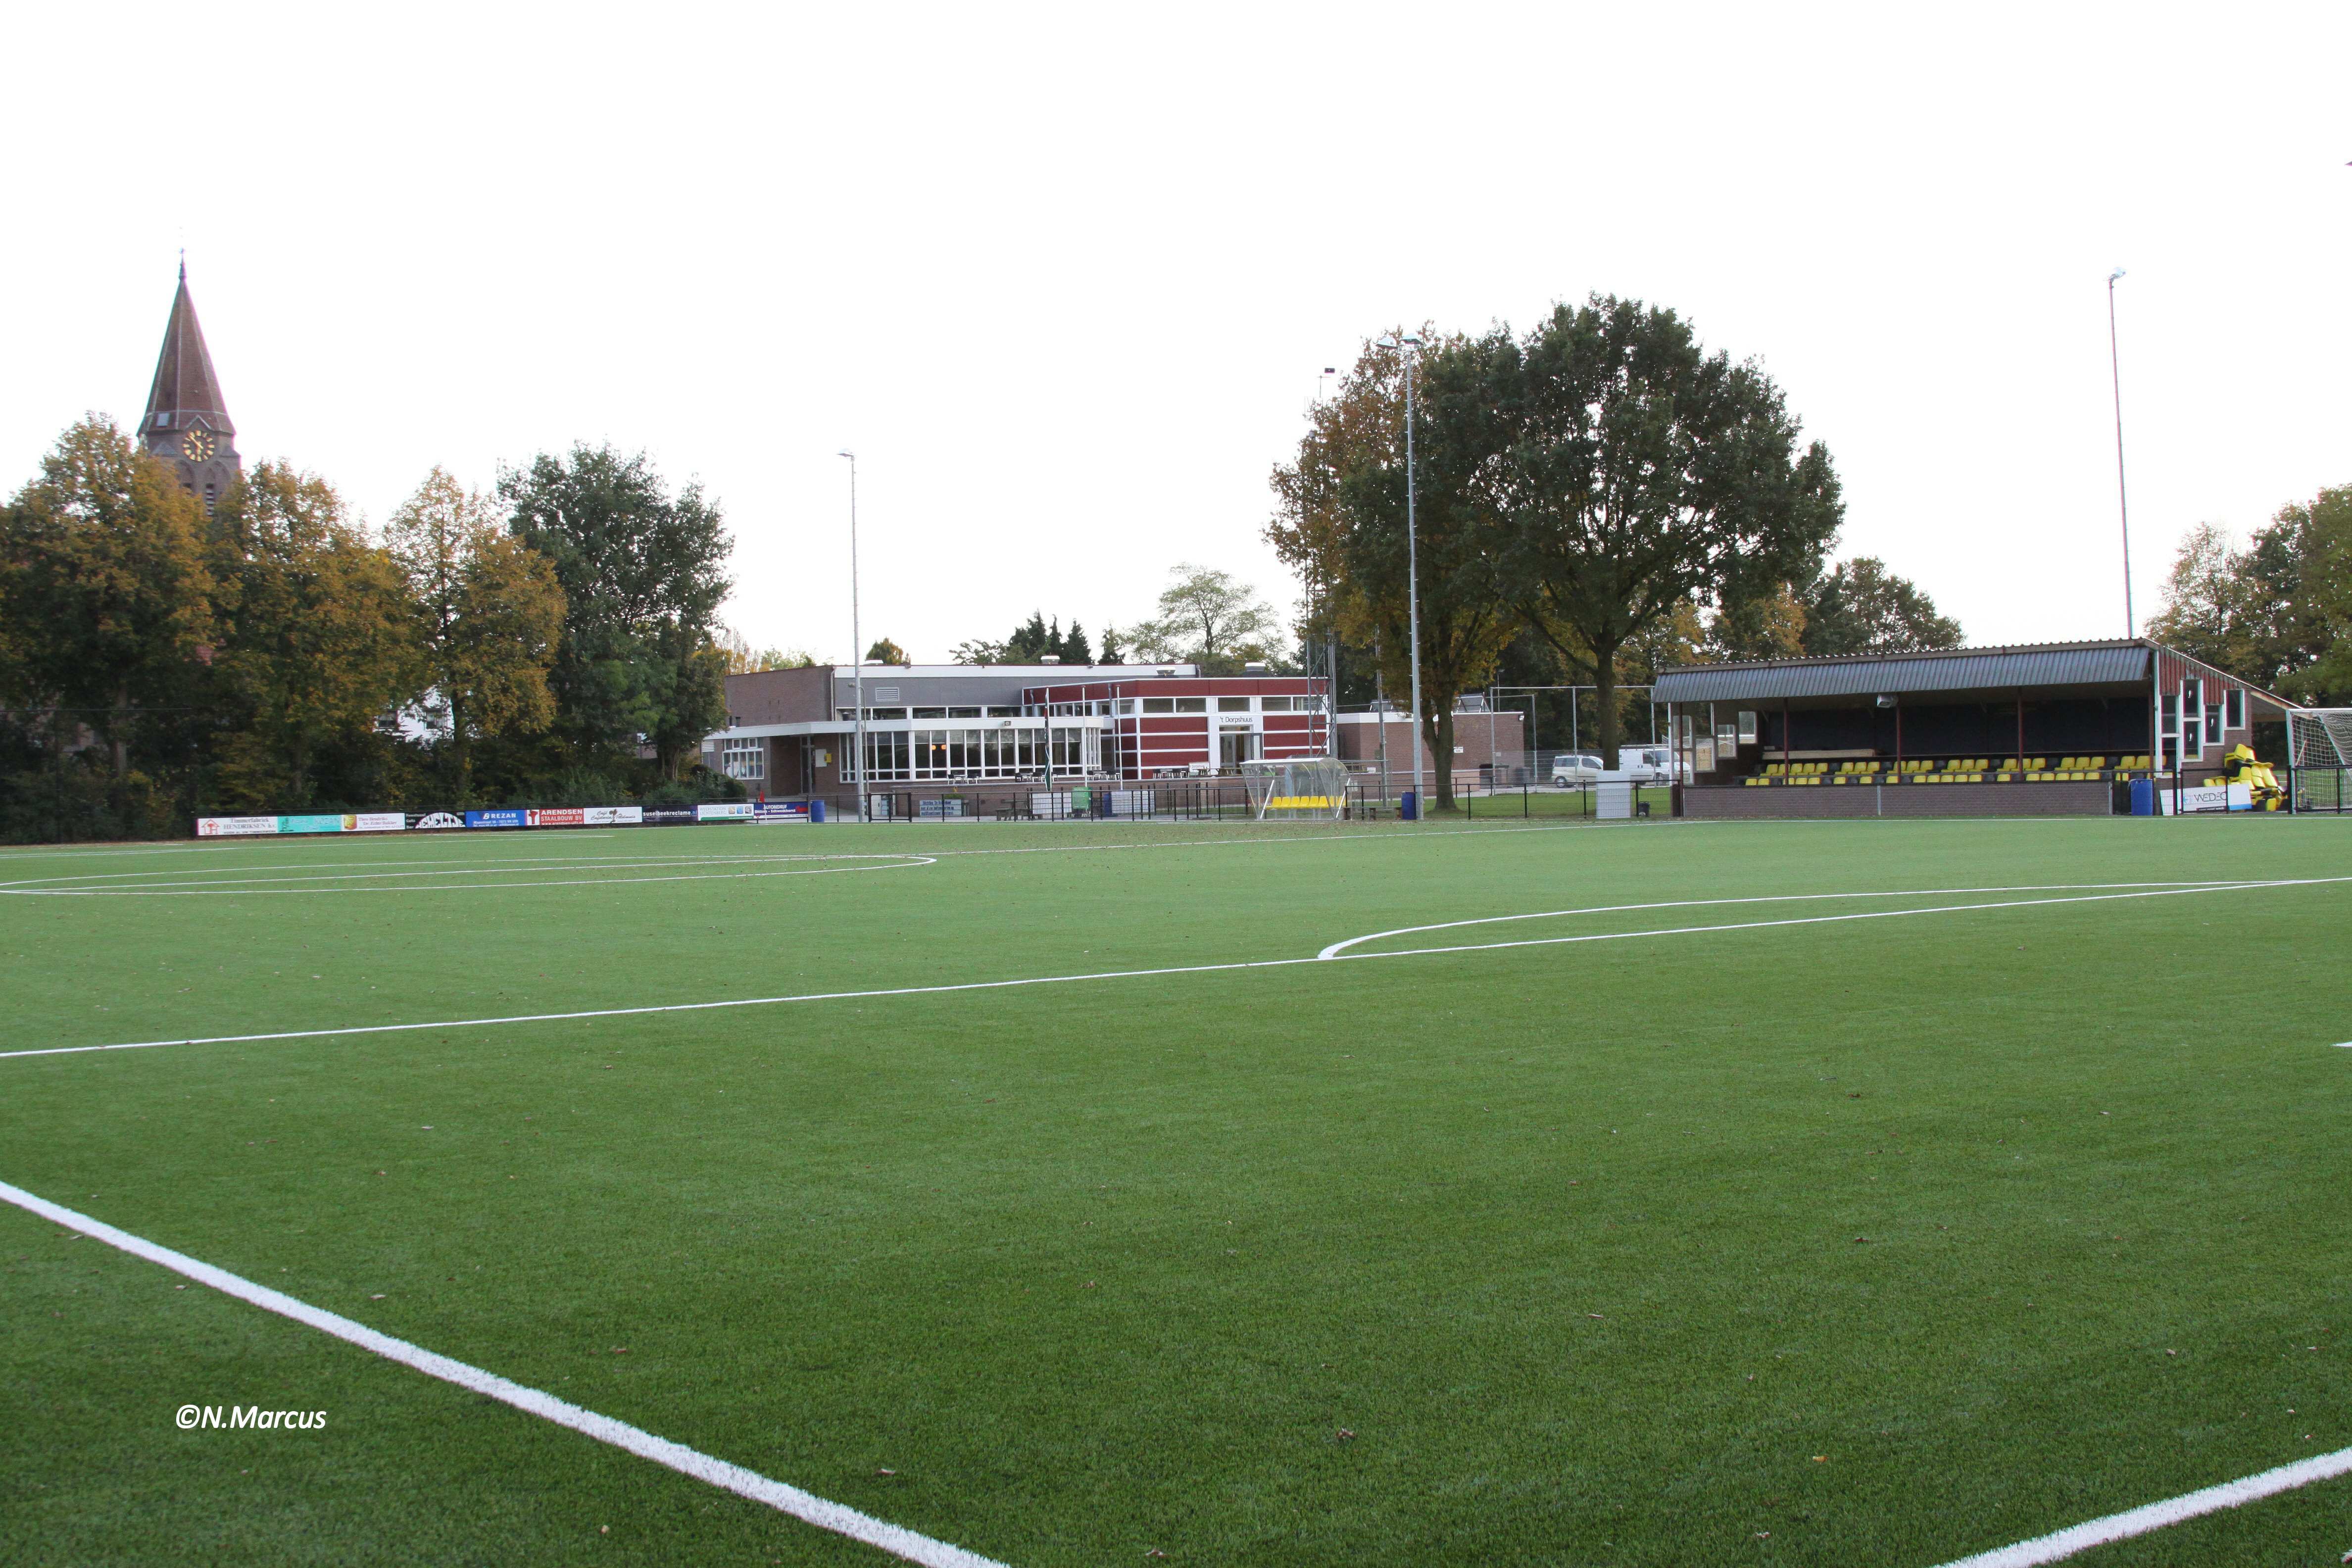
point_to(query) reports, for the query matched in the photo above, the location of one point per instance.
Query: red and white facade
(792, 732)
(1156, 725)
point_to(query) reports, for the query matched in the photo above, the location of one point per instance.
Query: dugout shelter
(2042, 729)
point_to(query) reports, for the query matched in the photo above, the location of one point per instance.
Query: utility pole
(857, 647)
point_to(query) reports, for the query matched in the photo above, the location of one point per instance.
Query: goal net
(1297, 787)
(2319, 747)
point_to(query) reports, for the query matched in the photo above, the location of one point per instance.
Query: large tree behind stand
(1645, 473)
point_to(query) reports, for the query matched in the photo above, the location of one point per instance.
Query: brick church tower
(186, 424)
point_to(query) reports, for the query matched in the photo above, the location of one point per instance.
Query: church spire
(185, 390)
(186, 424)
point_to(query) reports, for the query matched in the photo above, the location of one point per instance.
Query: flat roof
(1056, 672)
(2117, 663)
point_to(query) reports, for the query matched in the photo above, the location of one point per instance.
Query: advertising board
(434, 821)
(234, 827)
(611, 816)
(724, 811)
(556, 817)
(505, 817)
(376, 822)
(667, 815)
(768, 811)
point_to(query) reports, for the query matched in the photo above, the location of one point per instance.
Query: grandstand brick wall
(2071, 799)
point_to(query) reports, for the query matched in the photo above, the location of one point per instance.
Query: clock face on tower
(197, 445)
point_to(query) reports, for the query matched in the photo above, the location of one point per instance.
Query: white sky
(1064, 278)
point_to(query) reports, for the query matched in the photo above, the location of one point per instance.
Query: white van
(1645, 764)
(1575, 768)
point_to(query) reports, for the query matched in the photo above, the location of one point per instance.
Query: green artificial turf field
(1880, 1240)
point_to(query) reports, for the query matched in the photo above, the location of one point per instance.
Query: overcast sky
(1065, 277)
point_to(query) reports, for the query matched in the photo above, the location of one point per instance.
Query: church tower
(186, 424)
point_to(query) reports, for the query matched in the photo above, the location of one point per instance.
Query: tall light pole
(2122, 501)
(1408, 343)
(856, 641)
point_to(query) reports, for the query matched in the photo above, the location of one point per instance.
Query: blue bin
(2143, 797)
(816, 811)
(1409, 806)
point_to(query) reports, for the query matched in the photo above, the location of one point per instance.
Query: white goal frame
(1296, 789)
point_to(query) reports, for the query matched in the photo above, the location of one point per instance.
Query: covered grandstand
(2053, 728)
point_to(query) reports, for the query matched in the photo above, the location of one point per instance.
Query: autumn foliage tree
(489, 613)
(105, 594)
(319, 637)
(1341, 521)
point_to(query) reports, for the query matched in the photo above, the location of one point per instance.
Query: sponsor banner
(432, 821)
(611, 816)
(503, 817)
(313, 824)
(2207, 797)
(376, 822)
(781, 811)
(556, 817)
(234, 827)
(724, 811)
(667, 815)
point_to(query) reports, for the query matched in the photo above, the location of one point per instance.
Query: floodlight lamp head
(1385, 341)
(2112, 276)
(851, 456)
(1413, 340)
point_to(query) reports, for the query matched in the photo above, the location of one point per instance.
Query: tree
(885, 651)
(319, 638)
(743, 659)
(643, 573)
(1764, 625)
(489, 611)
(1033, 640)
(2321, 624)
(1859, 607)
(1209, 618)
(105, 595)
(1644, 472)
(1342, 521)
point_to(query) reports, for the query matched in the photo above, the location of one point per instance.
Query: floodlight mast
(1408, 343)
(856, 645)
(2122, 501)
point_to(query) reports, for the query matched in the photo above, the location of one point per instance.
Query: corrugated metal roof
(1963, 669)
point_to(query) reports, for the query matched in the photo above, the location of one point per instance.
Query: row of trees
(1600, 486)
(556, 639)
(2278, 612)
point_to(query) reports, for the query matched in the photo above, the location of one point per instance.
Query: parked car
(1575, 768)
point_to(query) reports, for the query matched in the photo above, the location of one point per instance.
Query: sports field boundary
(838, 1518)
(1329, 955)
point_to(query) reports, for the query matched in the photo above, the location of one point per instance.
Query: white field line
(258, 886)
(937, 854)
(2065, 1543)
(1132, 974)
(467, 866)
(1339, 948)
(825, 1515)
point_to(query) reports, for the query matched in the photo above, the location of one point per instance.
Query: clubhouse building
(793, 731)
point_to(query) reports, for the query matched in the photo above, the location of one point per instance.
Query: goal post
(1308, 789)
(2319, 749)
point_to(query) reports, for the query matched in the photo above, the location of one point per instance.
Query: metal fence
(1478, 793)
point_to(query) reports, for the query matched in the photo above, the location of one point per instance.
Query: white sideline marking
(1144, 973)
(2065, 1543)
(841, 1519)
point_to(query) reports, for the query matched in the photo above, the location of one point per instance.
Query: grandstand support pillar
(1898, 733)
(1784, 732)
(2021, 729)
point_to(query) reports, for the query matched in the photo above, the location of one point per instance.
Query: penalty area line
(2064, 1543)
(826, 1514)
